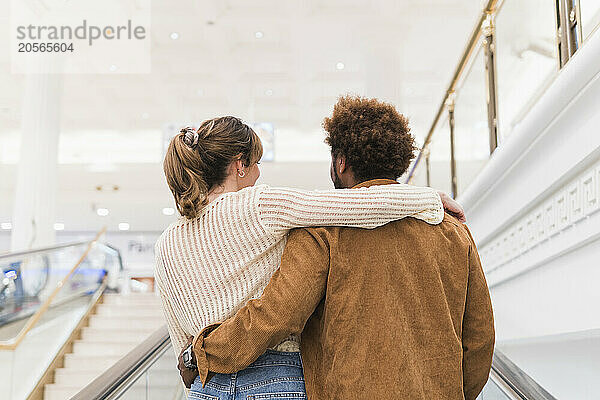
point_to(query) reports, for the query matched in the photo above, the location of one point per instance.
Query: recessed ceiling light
(340, 66)
(112, 68)
(123, 226)
(145, 115)
(174, 35)
(259, 34)
(269, 92)
(103, 212)
(168, 211)
(59, 226)
(6, 226)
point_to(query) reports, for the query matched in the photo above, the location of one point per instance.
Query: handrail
(116, 251)
(28, 314)
(40, 249)
(490, 8)
(12, 344)
(118, 378)
(515, 381)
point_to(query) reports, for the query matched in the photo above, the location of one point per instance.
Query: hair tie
(190, 137)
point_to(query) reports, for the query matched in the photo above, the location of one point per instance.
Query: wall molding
(560, 222)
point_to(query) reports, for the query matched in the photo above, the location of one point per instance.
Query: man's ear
(340, 164)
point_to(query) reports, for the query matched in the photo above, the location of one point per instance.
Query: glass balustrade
(420, 173)
(439, 157)
(527, 59)
(544, 358)
(471, 132)
(590, 17)
(492, 391)
(43, 296)
(160, 381)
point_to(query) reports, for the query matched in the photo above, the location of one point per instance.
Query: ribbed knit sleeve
(282, 209)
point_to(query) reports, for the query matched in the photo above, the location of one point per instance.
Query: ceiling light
(259, 34)
(168, 211)
(59, 226)
(145, 115)
(269, 92)
(6, 226)
(200, 92)
(103, 212)
(340, 66)
(123, 226)
(112, 68)
(174, 35)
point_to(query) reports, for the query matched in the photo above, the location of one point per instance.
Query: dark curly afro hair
(374, 138)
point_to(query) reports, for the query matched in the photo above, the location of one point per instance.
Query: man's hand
(188, 376)
(452, 207)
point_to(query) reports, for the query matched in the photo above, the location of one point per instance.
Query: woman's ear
(239, 164)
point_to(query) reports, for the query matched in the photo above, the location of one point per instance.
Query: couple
(397, 312)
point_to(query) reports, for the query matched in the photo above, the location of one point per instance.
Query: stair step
(99, 334)
(103, 348)
(164, 375)
(93, 362)
(136, 391)
(134, 300)
(126, 312)
(119, 324)
(90, 362)
(73, 377)
(108, 322)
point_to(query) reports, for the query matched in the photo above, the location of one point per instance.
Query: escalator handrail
(28, 313)
(519, 382)
(116, 251)
(9, 255)
(41, 249)
(115, 380)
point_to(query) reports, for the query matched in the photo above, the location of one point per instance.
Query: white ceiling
(402, 51)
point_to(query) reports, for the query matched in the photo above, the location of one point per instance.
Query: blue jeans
(274, 375)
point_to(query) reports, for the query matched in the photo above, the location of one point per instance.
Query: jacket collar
(374, 182)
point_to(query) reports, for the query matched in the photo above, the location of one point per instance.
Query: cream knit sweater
(210, 266)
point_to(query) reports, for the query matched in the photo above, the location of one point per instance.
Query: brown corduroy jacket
(399, 312)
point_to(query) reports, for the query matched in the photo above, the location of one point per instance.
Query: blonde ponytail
(196, 161)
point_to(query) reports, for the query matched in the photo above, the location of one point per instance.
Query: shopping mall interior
(500, 96)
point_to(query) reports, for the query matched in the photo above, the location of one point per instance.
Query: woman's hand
(452, 207)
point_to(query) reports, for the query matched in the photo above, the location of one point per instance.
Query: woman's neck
(230, 185)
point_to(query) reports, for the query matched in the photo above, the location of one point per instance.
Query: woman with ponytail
(231, 234)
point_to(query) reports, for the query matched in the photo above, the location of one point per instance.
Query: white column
(34, 209)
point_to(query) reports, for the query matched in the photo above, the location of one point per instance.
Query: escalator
(46, 297)
(148, 372)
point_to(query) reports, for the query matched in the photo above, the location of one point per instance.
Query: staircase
(120, 323)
